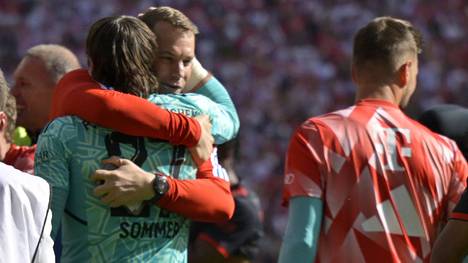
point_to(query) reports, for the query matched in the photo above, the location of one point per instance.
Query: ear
(3, 121)
(404, 74)
(353, 73)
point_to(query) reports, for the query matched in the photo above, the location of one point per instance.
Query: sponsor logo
(186, 112)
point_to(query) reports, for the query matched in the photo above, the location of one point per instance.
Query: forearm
(204, 199)
(302, 232)
(207, 198)
(214, 90)
(135, 116)
(83, 97)
(203, 83)
(147, 120)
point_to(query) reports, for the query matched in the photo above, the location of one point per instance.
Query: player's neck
(384, 92)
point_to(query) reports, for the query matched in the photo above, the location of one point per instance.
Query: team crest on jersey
(289, 178)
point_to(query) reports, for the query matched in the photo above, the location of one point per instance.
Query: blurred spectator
(35, 79)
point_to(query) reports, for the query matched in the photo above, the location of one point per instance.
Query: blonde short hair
(384, 43)
(170, 15)
(57, 59)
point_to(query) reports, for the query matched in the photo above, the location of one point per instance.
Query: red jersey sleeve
(207, 199)
(21, 157)
(302, 175)
(78, 94)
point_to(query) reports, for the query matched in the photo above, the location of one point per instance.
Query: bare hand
(202, 151)
(126, 185)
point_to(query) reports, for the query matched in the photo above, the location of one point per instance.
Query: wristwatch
(160, 186)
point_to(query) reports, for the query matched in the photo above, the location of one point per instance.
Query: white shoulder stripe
(218, 170)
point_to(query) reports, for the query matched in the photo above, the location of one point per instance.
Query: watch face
(160, 185)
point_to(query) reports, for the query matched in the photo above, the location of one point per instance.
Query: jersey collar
(377, 103)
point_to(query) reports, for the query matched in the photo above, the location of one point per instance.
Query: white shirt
(25, 218)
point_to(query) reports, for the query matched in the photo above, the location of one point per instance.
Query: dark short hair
(122, 50)
(383, 42)
(170, 15)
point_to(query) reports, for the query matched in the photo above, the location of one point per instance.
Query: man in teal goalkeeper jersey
(70, 149)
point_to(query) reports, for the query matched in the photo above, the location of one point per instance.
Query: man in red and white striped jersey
(367, 183)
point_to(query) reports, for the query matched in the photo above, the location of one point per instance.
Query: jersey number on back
(113, 141)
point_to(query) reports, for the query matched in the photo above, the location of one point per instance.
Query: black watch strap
(160, 186)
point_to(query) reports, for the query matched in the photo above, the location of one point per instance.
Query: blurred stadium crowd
(281, 60)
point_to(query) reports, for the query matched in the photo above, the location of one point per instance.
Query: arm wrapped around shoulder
(198, 77)
(206, 199)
